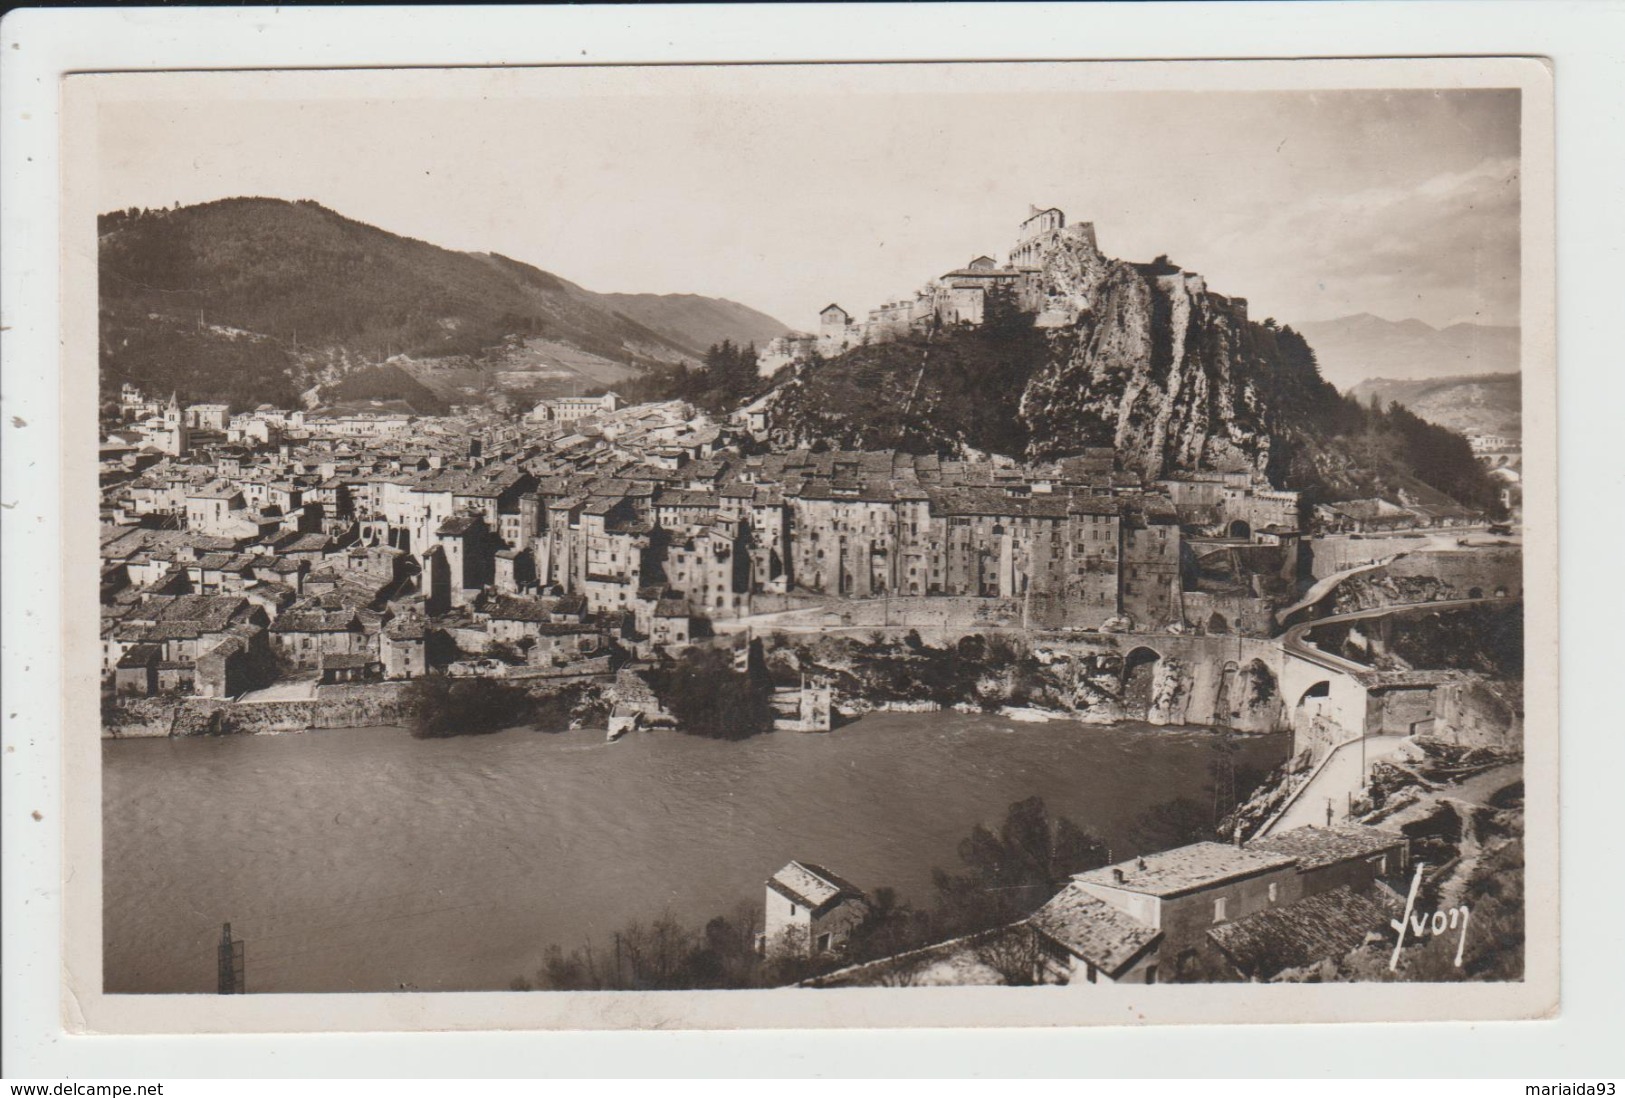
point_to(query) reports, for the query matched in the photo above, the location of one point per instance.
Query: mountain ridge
(259, 299)
(1484, 404)
(1363, 346)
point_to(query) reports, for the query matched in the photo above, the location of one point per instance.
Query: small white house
(810, 911)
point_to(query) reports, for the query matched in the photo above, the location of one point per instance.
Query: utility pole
(231, 963)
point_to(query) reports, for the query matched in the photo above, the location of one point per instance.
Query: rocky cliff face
(1156, 366)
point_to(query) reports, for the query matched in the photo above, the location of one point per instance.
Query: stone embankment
(333, 707)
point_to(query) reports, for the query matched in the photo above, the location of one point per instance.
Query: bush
(441, 706)
(709, 698)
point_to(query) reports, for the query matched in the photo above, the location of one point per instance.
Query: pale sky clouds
(787, 189)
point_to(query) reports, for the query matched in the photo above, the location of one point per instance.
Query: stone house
(403, 648)
(560, 643)
(671, 623)
(810, 911)
(1083, 940)
(302, 636)
(1167, 913)
(214, 508)
(348, 667)
(136, 672)
(235, 665)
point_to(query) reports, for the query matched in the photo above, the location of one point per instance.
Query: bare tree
(1012, 952)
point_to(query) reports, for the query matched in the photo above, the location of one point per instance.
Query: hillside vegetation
(256, 299)
(954, 390)
(1490, 404)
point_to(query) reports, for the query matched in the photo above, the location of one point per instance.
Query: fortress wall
(1464, 569)
(1334, 554)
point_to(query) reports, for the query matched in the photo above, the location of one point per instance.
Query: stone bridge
(1332, 700)
(1175, 679)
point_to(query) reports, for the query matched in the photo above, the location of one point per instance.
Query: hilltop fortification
(1091, 351)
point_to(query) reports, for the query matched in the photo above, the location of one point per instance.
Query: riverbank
(359, 860)
(368, 706)
(1193, 681)
(1168, 680)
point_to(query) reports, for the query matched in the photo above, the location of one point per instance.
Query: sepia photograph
(817, 529)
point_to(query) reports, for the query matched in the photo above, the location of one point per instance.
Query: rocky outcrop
(1171, 375)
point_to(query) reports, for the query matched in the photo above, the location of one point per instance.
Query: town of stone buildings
(277, 553)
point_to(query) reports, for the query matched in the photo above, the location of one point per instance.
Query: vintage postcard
(811, 545)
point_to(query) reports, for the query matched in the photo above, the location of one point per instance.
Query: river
(365, 860)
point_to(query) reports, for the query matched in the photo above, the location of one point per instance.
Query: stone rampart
(1491, 572)
(334, 707)
(1338, 552)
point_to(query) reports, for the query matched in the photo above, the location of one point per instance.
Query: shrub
(440, 706)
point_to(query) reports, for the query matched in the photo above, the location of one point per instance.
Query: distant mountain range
(696, 322)
(255, 299)
(1491, 404)
(1352, 349)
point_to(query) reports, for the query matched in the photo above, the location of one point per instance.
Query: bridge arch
(1138, 656)
(1217, 624)
(1240, 529)
(1321, 689)
(1139, 677)
(1475, 592)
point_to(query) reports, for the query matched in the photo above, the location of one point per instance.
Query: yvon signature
(1421, 925)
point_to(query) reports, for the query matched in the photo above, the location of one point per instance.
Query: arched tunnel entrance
(1314, 700)
(1139, 676)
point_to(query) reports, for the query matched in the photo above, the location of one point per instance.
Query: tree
(892, 926)
(440, 706)
(1179, 822)
(709, 698)
(1013, 953)
(1015, 871)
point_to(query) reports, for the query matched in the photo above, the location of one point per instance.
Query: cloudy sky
(786, 189)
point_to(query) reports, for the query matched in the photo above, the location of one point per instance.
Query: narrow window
(1151, 974)
(1218, 910)
(1274, 891)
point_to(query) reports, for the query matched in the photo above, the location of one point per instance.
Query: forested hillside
(253, 299)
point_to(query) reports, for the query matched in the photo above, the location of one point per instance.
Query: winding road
(1294, 644)
(1323, 587)
(1343, 772)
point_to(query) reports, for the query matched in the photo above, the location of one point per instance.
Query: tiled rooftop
(811, 885)
(1325, 926)
(1184, 868)
(1317, 846)
(1093, 929)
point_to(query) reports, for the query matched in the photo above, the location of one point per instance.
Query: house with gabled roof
(810, 911)
(302, 635)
